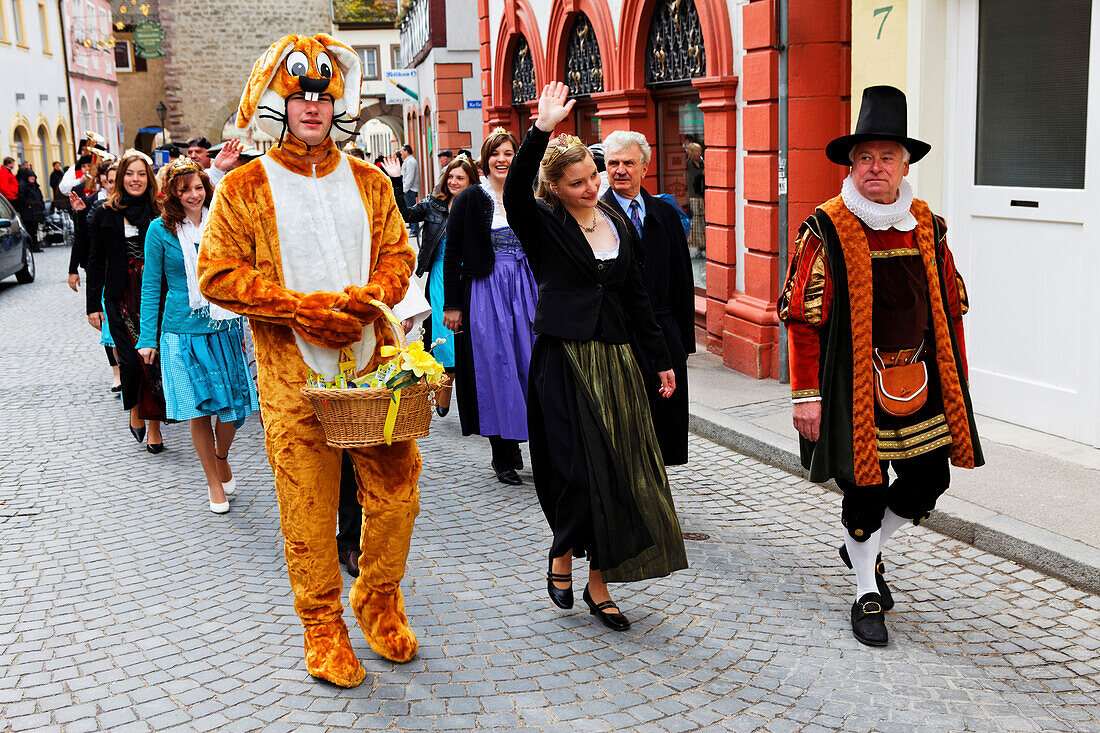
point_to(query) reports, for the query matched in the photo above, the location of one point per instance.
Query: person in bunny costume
(301, 240)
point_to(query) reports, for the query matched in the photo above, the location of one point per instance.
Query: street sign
(473, 104)
(402, 87)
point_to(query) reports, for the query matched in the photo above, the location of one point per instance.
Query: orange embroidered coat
(827, 306)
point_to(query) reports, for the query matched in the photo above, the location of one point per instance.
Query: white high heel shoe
(222, 508)
(230, 486)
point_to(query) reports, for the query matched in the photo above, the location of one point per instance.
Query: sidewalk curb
(998, 534)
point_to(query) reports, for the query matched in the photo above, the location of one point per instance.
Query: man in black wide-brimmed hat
(873, 305)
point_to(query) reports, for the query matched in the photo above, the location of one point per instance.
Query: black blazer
(666, 266)
(433, 213)
(469, 243)
(107, 257)
(576, 301)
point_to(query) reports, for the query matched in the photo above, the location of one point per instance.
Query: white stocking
(862, 555)
(890, 523)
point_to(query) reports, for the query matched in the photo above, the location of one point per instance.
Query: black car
(15, 252)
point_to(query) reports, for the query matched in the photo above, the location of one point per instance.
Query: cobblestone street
(129, 606)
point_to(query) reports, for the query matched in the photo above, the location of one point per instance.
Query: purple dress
(502, 310)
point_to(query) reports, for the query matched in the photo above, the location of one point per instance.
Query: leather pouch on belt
(901, 381)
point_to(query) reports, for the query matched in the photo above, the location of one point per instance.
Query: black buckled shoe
(562, 597)
(869, 620)
(614, 621)
(880, 581)
(507, 475)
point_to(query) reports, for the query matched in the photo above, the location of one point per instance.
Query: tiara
(463, 156)
(499, 131)
(181, 165)
(137, 154)
(562, 143)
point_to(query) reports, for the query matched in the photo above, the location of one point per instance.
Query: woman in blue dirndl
(489, 302)
(202, 358)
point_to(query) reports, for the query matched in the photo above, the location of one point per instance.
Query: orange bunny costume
(301, 249)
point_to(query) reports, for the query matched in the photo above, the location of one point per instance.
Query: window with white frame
(100, 120)
(85, 114)
(368, 58)
(123, 59)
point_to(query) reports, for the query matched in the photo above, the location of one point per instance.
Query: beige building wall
(138, 95)
(211, 46)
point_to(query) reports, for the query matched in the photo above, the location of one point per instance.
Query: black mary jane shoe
(614, 621)
(155, 448)
(116, 389)
(869, 620)
(562, 597)
(507, 475)
(138, 433)
(880, 581)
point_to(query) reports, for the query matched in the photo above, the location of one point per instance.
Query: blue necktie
(636, 215)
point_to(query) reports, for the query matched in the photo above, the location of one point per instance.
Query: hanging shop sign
(148, 35)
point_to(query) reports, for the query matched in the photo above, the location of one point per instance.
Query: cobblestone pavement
(129, 606)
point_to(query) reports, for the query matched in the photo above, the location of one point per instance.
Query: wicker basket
(355, 418)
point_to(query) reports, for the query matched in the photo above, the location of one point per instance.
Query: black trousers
(920, 481)
(349, 517)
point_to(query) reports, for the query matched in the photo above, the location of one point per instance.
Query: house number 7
(885, 13)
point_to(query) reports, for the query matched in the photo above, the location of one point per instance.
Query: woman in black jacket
(598, 469)
(490, 296)
(115, 265)
(433, 212)
(29, 204)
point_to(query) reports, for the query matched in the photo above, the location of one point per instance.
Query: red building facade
(674, 72)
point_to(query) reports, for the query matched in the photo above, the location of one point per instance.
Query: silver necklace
(595, 221)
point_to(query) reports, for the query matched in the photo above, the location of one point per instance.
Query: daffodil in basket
(392, 403)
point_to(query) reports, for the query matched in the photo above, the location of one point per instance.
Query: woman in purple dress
(489, 302)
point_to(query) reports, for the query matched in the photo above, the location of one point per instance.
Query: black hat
(441, 153)
(198, 142)
(882, 116)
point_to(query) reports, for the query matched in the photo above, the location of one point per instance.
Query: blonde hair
(555, 160)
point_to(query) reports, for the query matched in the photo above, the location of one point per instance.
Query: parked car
(16, 257)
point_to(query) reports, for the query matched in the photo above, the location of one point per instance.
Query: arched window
(62, 146)
(674, 51)
(44, 146)
(18, 145)
(523, 73)
(112, 123)
(100, 121)
(85, 115)
(583, 65)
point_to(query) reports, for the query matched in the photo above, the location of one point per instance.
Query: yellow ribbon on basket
(395, 397)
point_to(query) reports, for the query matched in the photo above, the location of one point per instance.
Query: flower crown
(562, 143)
(181, 165)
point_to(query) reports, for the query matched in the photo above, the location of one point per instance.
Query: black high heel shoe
(880, 581)
(562, 597)
(138, 433)
(613, 621)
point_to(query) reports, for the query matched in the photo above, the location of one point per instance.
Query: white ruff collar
(881, 216)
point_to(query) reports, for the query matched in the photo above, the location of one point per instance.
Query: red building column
(818, 72)
(630, 109)
(717, 101)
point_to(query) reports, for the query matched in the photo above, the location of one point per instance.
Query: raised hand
(228, 155)
(391, 166)
(554, 105)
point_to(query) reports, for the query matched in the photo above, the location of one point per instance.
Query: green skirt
(635, 533)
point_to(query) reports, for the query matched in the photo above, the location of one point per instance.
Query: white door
(1022, 179)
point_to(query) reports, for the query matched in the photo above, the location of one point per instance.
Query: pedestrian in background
(115, 265)
(55, 180)
(598, 469)
(202, 359)
(434, 211)
(696, 189)
(666, 269)
(29, 204)
(410, 181)
(9, 184)
(84, 210)
(489, 302)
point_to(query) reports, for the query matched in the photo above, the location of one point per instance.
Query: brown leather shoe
(350, 558)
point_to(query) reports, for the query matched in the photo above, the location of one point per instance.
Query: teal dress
(202, 360)
(445, 352)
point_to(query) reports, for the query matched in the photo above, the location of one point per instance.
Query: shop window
(679, 156)
(1033, 78)
(674, 49)
(583, 65)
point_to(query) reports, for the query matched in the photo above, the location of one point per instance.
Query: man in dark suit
(668, 278)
